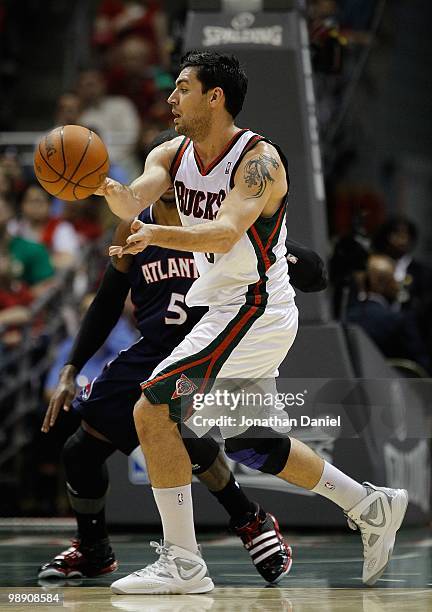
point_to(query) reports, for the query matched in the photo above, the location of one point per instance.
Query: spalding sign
(243, 32)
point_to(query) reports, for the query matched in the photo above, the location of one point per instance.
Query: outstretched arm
(128, 201)
(260, 185)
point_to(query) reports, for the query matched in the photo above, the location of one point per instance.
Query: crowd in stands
(123, 93)
(379, 284)
(120, 94)
(41, 239)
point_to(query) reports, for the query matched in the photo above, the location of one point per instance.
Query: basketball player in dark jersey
(158, 279)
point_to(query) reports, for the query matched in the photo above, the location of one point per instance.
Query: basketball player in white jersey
(231, 187)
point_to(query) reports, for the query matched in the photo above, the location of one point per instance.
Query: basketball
(71, 162)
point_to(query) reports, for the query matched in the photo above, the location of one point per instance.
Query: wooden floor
(236, 599)
(325, 576)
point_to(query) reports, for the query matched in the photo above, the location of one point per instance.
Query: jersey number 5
(181, 314)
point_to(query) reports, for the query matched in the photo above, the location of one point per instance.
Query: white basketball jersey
(255, 270)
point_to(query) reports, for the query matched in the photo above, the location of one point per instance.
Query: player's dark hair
(219, 70)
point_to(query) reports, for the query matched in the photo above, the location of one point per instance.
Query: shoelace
(350, 522)
(70, 553)
(163, 551)
(357, 526)
(250, 530)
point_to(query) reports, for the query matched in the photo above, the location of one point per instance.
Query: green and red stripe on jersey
(264, 235)
(202, 366)
(206, 364)
(178, 157)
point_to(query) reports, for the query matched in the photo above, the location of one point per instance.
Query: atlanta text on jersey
(181, 267)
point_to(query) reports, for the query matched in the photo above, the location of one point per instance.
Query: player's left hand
(62, 397)
(136, 242)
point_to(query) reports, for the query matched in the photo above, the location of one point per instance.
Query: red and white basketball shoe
(264, 542)
(80, 561)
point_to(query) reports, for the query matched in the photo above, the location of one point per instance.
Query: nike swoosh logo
(379, 520)
(188, 574)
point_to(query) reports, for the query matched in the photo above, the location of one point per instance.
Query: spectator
(114, 118)
(133, 76)
(68, 112)
(395, 333)
(15, 298)
(68, 109)
(143, 18)
(36, 224)
(397, 238)
(350, 254)
(10, 164)
(30, 260)
(6, 184)
(326, 41)
(85, 216)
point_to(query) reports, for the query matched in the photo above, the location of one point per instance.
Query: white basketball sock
(339, 488)
(176, 511)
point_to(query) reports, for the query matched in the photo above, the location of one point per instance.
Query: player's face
(189, 105)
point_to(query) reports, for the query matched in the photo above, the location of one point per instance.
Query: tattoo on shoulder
(257, 173)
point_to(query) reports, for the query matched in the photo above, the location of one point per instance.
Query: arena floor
(325, 576)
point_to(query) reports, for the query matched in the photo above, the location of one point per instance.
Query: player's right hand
(61, 398)
(109, 188)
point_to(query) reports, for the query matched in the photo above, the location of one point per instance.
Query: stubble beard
(196, 129)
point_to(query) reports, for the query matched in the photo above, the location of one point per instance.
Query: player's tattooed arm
(258, 174)
(260, 184)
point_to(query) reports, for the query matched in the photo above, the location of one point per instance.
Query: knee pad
(84, 459)
(202, 452)
(266, 454)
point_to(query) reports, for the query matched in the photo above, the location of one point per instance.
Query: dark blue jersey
(160, 279)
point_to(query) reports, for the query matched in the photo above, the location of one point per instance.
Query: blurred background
(110, 65)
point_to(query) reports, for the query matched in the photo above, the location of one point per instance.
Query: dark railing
(22, 369)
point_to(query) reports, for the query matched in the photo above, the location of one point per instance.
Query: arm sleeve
(306, 268)
(101, 317)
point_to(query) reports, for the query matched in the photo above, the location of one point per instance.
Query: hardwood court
(325, 577)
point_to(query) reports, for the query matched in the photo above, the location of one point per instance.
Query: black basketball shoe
(81, 560)
(260, 534)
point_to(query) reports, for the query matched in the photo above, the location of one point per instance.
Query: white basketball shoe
(378, 516)
(177, 571)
